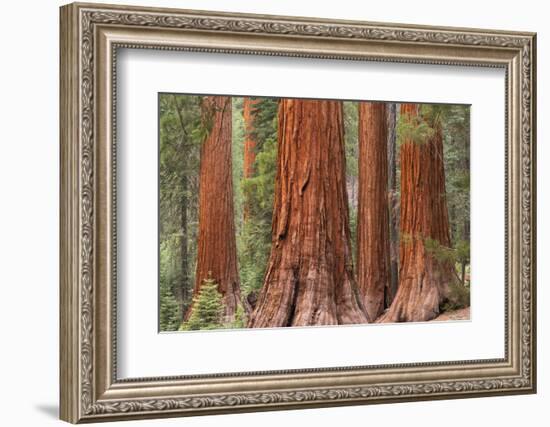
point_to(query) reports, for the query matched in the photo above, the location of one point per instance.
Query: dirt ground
(462, 314)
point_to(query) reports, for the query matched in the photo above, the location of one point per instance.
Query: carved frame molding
(90, 37)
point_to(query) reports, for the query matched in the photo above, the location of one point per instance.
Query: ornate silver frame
(90, 36)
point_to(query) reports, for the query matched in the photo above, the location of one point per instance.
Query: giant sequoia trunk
(373, 232)
(217, 251)
(249, 111)
(309, 278)
(424, 275)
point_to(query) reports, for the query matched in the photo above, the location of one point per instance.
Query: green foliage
(459, 297)
(413, 128)
(169, 314)
(458, 256)
(260, 189)
(179, 155)
(265, 120)
(237, 154)
(462, 249)
(351, 135)
(254, 248)
(456, 146)
(455, 124)
(207, 309)
(434, 114)
(440, 253)
(254, 238)
(240, 319)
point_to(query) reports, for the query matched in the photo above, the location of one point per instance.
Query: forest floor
(461, 314)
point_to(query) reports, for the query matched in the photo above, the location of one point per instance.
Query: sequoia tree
(217, 251)
(309, 278)
(425, 270)
(373, 232)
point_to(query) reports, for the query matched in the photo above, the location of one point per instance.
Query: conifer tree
(208, 308)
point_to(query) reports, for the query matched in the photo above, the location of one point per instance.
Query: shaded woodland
(294, 212)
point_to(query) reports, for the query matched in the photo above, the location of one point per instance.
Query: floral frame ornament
(90, 36)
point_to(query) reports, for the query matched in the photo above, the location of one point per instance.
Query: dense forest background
(253, 169)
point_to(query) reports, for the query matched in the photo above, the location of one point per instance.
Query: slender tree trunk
(423, 279)
(465, 237)
(393, 199)
(182, 293)
(183, 248)
(217, 250)
(309, 278)
(466, 225)
(249, 111)
(351, 185)
(373, 238)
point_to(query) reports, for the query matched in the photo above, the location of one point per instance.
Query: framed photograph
(266, 212)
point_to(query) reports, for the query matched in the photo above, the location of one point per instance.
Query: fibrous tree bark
(424, 275)
(373, 232)
(309, 278)
(217, 249)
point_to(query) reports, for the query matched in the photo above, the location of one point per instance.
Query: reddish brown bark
(309, 278)
(373, 232)
(249, 111)
(423, 277)
(217, 249)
